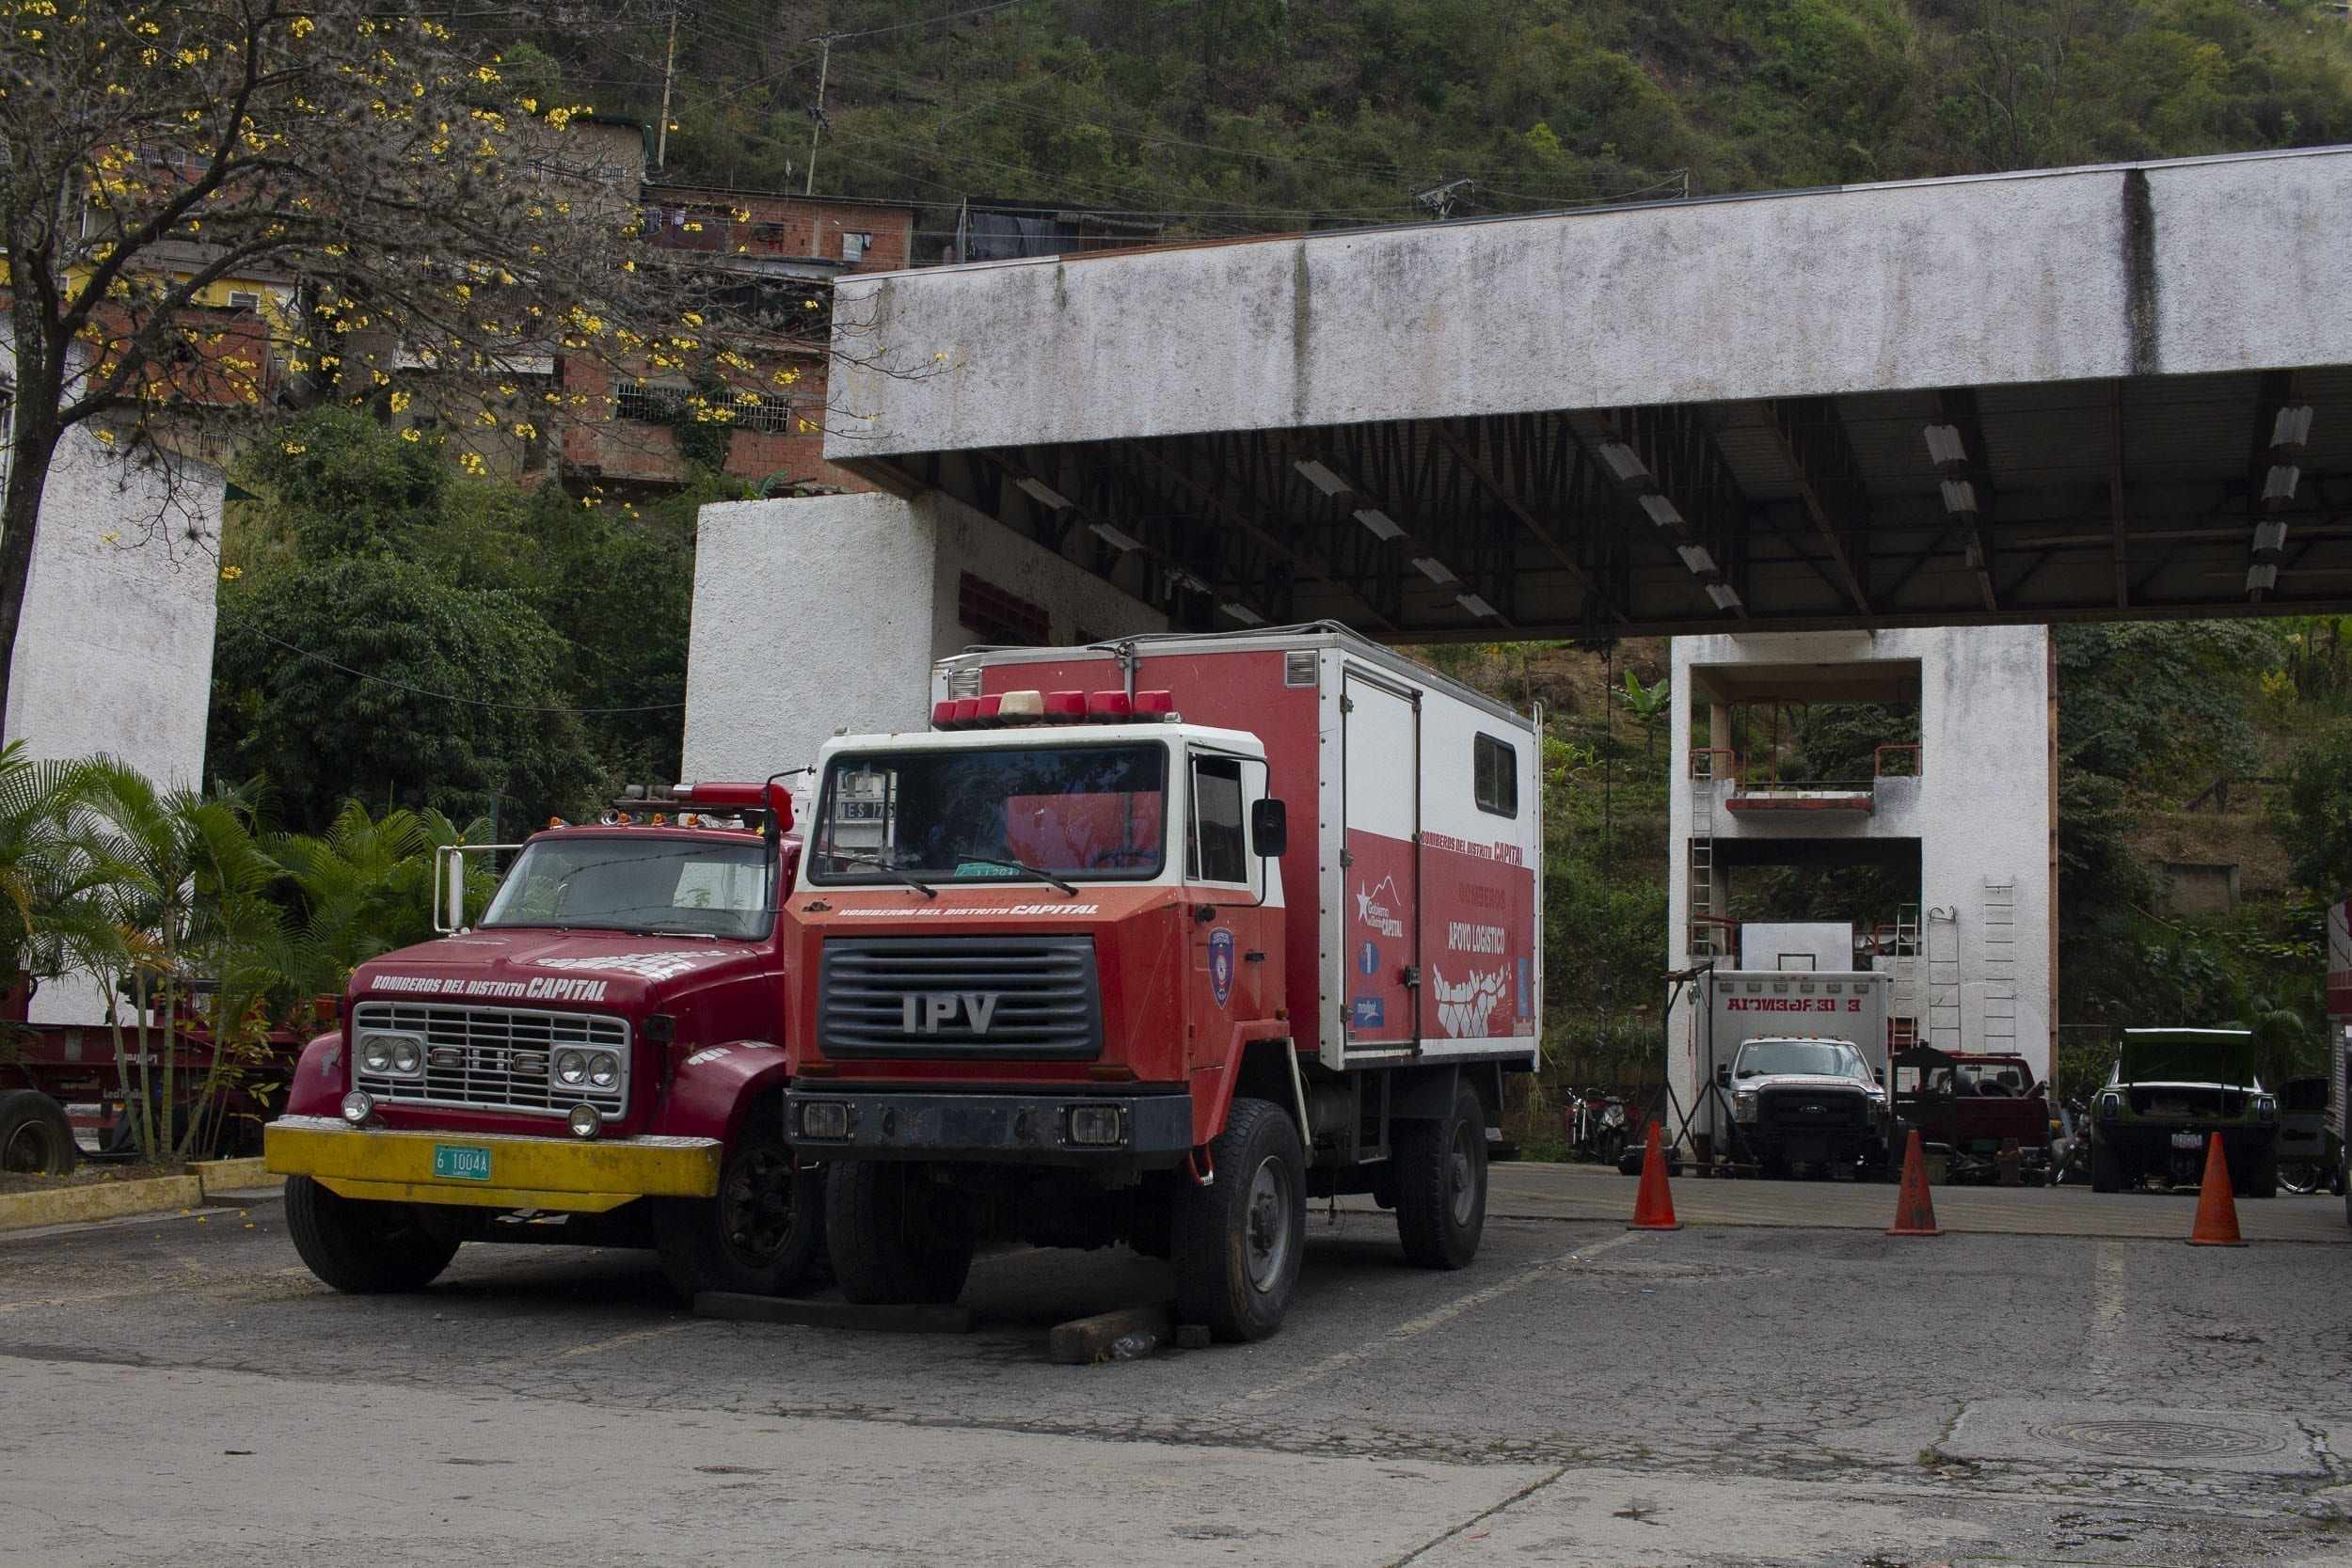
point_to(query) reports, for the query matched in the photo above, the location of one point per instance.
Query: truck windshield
(1822, 1058)
(1000, 815)
(625, 883)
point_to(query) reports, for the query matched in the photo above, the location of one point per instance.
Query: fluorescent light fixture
(1623, 461)
(2293, 427)
(2263, 575)
(1046, 494)
(1475, 605)
(1944, 445)
(1321, 477)
(1434, 569)
(1661, 511)
(1959, 495)
(1115, 539)
(2278, 484)
(1695, 556)
(1243, 613)
(1723, 596)
(1382, 525)
(1186, 580)
(2270, 537)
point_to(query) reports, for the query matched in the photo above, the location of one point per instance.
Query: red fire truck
(1149, 943)
(596, 1060)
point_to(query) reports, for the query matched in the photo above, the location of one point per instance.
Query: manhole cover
(2148, 1437)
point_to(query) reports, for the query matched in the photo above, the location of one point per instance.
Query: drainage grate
(2148, 1437)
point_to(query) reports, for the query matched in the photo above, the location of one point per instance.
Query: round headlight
(406, 1056)
(357, 1106)
(375, 1054)
(604, 1069)
(585, 1123)
(571, 1067)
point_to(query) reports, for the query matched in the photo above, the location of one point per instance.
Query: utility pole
(816, 119)
(669, 71)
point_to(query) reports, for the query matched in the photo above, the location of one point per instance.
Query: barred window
(653, 404)
(774, 414)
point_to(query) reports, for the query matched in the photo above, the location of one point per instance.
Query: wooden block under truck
(1149, 944)
(597, 1060)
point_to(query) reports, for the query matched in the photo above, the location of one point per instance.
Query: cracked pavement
(182, 1390)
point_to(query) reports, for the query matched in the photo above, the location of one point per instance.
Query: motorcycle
(1598, 1127)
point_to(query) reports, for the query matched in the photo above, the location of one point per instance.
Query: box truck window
(980, 816)
(1495, 771)
(1217, 852)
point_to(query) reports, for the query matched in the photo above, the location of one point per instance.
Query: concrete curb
(109, 1200)
(105, 1201)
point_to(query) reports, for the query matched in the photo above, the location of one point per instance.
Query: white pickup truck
(1801, 1100)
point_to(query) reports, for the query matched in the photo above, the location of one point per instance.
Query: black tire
(760, 1236)
(896, 1237)
(35, 1137)
(360, 1247)
(2302, 1176)
(1442, 1184)
(1237, 1242)
(2106, 1177)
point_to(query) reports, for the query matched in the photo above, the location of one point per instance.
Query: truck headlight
(388, 1054)
(2110, 1106)
(825, 1118)
(1743, 1105)
(1094, 1124)
(604, 1069)
(2266, 1109)
(571, 1067)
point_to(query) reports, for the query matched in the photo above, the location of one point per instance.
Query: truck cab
(1808, 1101)
(1146, 963)
(596, 1059)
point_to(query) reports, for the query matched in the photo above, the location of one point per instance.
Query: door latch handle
(1255, 958)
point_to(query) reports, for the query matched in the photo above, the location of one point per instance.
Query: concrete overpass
(2094, 392)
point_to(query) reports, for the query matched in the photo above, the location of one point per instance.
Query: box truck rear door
(1381, 813)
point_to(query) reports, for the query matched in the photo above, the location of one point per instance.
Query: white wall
(2026, 277)
(822, 612)
(1981, 809)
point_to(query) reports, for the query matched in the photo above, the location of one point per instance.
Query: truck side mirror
(1723, 1074)
(1269, 828)
(450, 915)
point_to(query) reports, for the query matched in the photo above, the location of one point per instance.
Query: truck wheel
(1237, 1242)
(2104, 1176)
(1441, 1185)
(361, 1247)
(758, 1237)
(897, 1238)
(35, 1137)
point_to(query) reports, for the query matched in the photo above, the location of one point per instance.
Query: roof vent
(1298, 668)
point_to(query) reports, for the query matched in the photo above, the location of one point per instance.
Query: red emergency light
(1156, 704)
(990, 713)
(1065, 707)
(968, 709)
(943, 714)
(1108, 707)
(770, 796)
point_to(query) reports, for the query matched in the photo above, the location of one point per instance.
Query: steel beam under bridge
(2079, 393)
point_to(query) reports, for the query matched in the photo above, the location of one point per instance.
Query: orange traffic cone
(2217, 1205)
(1654, 1206)
(1914, 1211)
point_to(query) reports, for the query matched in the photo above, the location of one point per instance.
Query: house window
(654, 404)
(1495, 775)
(774, 414)
(854, 246)
(239, 300)
(1006, 620)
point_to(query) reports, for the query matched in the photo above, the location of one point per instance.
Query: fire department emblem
(1221, 963)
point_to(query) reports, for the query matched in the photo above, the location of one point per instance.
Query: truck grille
(1811, 1110)
(2189, 1102)
(490, 1058)
(1014, 996)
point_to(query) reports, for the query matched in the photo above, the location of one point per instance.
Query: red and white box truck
(1149, 941)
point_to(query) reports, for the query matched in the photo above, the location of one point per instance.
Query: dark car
(2171, 1091)
(1969, 1105)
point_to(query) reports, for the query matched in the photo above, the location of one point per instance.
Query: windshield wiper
(1070, 888)
(886, 869)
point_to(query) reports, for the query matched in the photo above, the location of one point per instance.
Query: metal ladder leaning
(2000, 965)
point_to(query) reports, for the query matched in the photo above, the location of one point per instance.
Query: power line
(437, 696)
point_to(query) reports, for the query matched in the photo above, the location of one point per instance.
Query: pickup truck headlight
(395, 1054)
(2266, 1109)
(2110, 1106)
(1743, 1105)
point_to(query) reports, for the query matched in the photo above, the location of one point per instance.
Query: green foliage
(2316, 819)
(362, 888)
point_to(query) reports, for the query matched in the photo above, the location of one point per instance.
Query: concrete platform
(1548, 1192)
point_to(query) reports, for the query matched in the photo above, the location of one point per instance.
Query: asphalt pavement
(1778, 1390)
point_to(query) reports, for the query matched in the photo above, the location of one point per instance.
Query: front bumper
(563, 1175)
(1155, 1129)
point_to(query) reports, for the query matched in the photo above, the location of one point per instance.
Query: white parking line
(1427, 1320)
(2107, 1313)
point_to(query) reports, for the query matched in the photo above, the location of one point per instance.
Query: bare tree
(398, 223)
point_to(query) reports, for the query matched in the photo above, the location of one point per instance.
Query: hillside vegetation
(1241, 116)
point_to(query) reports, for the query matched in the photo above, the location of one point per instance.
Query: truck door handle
(1255, 958)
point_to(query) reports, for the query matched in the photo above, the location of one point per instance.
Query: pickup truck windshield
(999, 814)
(1821, 1059)
(646, 885)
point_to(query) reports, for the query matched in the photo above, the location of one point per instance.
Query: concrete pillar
(825, 612)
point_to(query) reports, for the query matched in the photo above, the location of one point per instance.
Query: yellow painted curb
(104, 1201)
(232, 1175)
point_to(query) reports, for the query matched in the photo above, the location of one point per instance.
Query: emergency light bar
(1016, 709)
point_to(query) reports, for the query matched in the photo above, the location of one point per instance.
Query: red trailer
(1149, 942)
